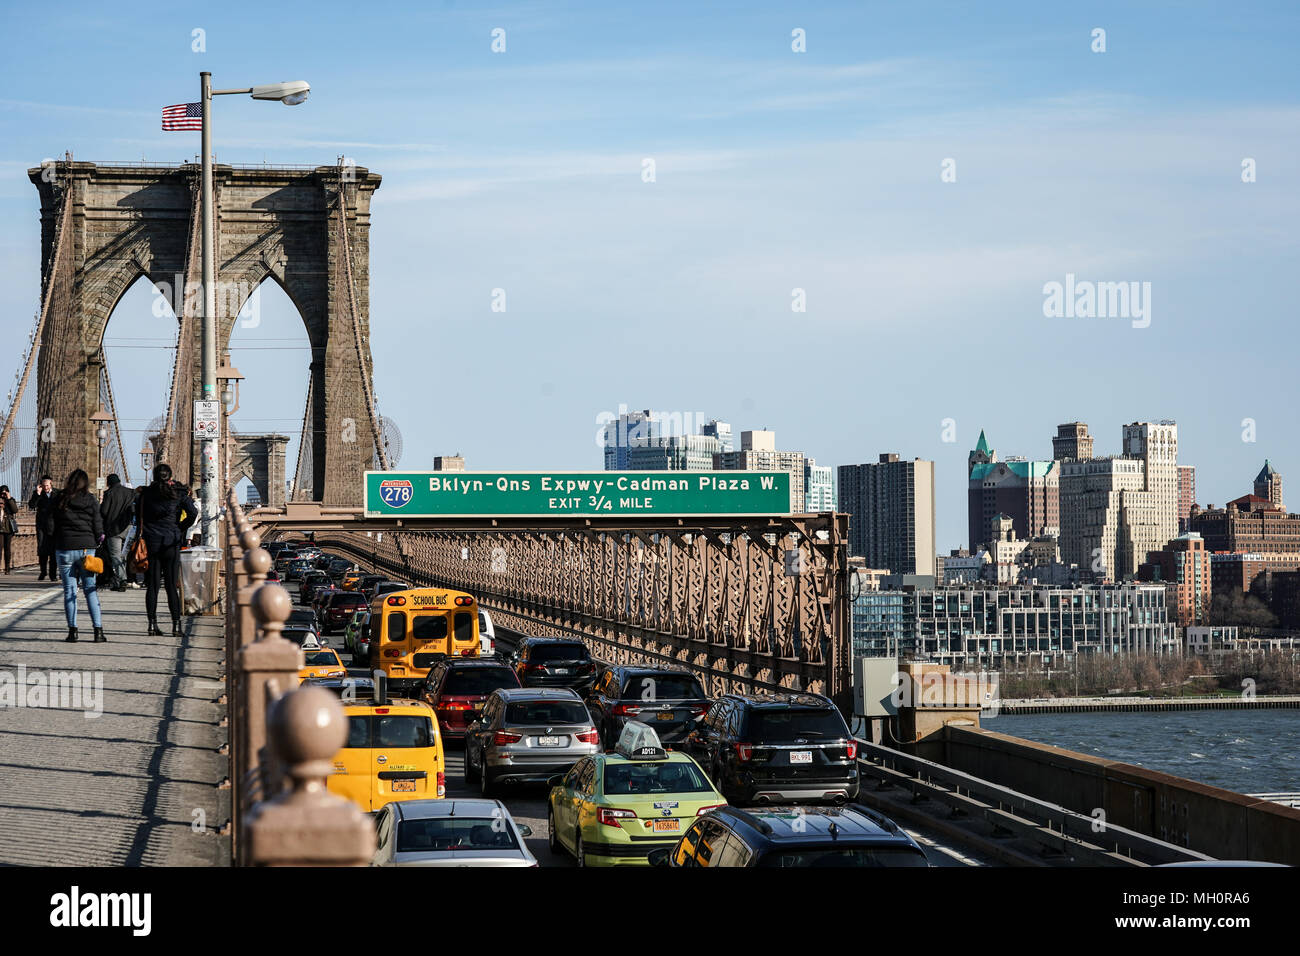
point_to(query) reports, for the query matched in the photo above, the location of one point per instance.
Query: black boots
(72, 635)
(153, 629)
(99, 635)
(176, 628)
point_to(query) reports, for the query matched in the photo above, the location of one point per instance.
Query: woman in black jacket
(8, 524)
(161, 504)
(78, 531)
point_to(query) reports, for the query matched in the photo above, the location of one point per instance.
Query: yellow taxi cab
(350, 580)
(320, 662)
(393, 752)
(411, 630)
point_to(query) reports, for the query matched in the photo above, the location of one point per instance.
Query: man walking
(43, 504)
(117, 510)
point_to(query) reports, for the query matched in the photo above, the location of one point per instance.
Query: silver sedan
(450, 833)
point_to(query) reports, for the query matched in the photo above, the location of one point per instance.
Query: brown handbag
(137, 561)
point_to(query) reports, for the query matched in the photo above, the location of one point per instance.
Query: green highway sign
(565, 494)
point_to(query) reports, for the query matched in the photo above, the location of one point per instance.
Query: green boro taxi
(612, 809)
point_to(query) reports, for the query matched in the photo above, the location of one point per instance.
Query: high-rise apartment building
(1156, 443)
(818, 486)
(1026, 491)
(448, 463)
(891, 509)
(1186, 494)
(758, 452)
(1183, 566)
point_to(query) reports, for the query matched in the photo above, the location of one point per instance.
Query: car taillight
(623, 710)
(393, 653)
(442, 784)
(502, 737)
(703, 810)
(744, 751)
(535, 667)
(853, 750)
(610, 817)
(697, 709)
(587, 737)
(454, 705)
(468, 652)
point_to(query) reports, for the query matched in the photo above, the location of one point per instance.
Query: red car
(336, 608)
(457, 687)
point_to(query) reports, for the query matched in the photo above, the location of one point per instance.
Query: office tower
(1072, 441)
(1268, 485)
(722, 432)
(891, 508)
(1156, 443)
(448, 463)
(1108, 520)
(630, 429)
(674, 453)
(1026, 491)
(818, 486)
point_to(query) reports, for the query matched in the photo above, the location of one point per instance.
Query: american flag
(183, 116)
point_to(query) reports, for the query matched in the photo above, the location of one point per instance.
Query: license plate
(666, 715)
(550, 741)
(561, 670)
(479, 705)
(801, 756)
(403, 786)
(667, 826)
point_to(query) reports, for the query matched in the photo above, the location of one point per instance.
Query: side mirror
(524, 829)
(660, 856)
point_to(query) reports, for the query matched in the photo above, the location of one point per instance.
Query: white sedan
(468, 832)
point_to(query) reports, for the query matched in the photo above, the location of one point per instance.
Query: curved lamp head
(290, 93)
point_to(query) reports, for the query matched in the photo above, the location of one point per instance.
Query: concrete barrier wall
(1223, 824)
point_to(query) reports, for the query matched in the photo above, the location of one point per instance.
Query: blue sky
(775, 170)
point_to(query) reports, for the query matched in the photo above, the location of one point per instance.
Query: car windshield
(345, 598)
(654, 777)
(652, 687)
(558, 652)
(320, 658)
(547, 712)
(297, 634)
(837, 856)
(455, 833)
(478, 680)
(795, 724)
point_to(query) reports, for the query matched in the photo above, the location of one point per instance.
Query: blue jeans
(117, 556)
(65, 560)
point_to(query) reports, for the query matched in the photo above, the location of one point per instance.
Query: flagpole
(208, 456)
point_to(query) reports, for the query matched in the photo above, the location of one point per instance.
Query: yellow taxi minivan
(411, 630)
(393, 752)
(350, 579)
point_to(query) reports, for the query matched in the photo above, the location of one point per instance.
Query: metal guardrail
(1086, 832)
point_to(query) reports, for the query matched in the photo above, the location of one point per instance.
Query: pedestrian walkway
(127, 776)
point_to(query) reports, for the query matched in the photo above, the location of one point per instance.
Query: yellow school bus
(412, 630)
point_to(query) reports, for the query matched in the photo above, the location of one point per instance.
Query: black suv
(791, 836)
(553, 662)
(668, 699)
(777, 748)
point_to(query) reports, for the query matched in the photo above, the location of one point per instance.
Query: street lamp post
(100, 420)
(146, 460)
(291, 94)
(229, 378)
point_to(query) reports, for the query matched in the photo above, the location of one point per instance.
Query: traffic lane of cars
(528, 803)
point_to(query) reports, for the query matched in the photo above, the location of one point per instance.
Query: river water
(1243, 750)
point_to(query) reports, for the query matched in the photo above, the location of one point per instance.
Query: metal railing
(1004, 808)
(282, 737)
